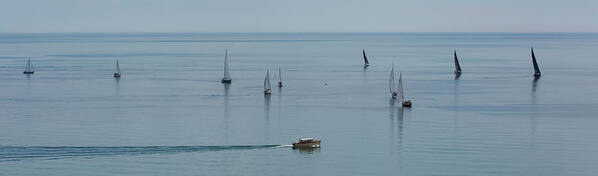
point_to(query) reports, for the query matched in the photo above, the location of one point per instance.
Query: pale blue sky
(298, 16)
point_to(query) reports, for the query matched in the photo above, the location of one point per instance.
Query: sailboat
(226, 78)
(536, 68)
(404, 102)
(391, 83)
(279, 76)
(117, 73)
(457, 66)
(365, 59)
(29, 68)
(267, 89)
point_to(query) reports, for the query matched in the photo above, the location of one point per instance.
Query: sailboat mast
(267, 81)
(226, 69)
(28, 68)
(279, 74)
(226, 78)
(400, 91)
(117, 67)
(391, 80)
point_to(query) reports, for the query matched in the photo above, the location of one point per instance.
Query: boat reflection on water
(267, 106)
(226, 113)
(307, 150)
(534, 88)
(457, 76)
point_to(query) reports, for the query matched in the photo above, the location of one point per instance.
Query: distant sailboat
(457, 66)
(404, 102)
(536, 68)
(117, 73)
(391, 83)
(29, 68)
(226, 78)
(267, 89)
(279, 76)
(365, 59)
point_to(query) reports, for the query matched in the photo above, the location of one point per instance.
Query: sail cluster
(396, 92)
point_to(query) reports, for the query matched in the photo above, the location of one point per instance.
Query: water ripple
(18, 153)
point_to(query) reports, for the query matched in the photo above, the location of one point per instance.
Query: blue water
(170, 115)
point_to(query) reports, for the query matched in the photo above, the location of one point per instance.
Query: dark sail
(365, 59)
(536, 68)
(457, 66)
(29, 68)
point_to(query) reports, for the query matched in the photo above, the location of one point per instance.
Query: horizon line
(298, 32)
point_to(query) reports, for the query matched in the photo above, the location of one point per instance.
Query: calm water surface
(170, 115)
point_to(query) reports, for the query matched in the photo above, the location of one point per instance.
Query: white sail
(117, 67)
(267, 88)
(400, 88)
(226, 67)
(391, 81)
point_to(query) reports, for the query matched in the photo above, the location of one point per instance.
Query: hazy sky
(299, 16)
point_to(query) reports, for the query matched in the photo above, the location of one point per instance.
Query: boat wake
(16, 153)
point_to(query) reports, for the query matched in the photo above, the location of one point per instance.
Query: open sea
(169, 114)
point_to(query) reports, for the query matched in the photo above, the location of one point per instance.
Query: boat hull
(226, 81)
(267, 91)
(406, 103)
(28, 72)
(116, 75)
(302, 145)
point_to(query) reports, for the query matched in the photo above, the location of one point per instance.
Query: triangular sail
(29, 67)
(536, 68)
(391, 81)
(365, 59)
(400, 89)
(267, 81)
(457, 66)
(226, 66)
